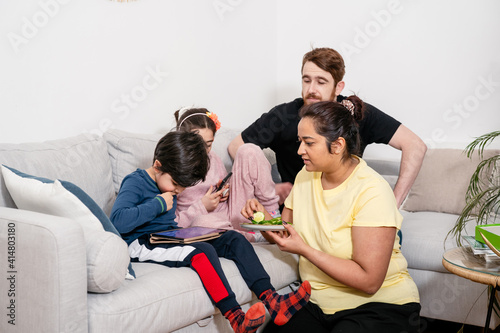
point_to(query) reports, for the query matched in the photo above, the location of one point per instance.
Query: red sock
(283, 307)
(249, 322)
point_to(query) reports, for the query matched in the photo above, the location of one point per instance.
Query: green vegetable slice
(275, 221)
(258, 217)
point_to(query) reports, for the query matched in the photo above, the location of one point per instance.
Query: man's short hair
(328, 60)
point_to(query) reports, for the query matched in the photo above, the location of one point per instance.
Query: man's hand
(283, 190)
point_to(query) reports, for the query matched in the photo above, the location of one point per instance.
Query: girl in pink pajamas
(199, 205)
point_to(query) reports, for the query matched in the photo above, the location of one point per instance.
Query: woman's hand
(211, 200)
(288, 240)
(252, 206)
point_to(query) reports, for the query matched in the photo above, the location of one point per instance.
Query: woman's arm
(366, 271)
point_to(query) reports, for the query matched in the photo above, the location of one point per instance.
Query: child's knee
(249, 151)
(205, 248)
(232, 235)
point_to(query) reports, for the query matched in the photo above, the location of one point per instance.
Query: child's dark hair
(192, 119)
(183, 155)
(333, 120)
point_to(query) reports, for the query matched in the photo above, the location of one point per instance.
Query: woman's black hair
(333, 120)
(183, 155)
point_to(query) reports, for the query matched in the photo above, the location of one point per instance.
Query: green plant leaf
(483, 193)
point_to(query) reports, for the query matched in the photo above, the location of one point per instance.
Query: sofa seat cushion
(162, 299)
(424, 238)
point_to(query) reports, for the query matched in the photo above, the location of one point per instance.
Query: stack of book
(480, 249)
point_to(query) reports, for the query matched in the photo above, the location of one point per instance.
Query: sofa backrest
(96, 164)
(444, 177)
(82, 160)
(222, 139)
(128, 152)
(389, 169)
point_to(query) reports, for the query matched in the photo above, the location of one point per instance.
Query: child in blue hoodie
(146, 204)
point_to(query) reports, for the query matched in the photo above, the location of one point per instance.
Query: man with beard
(322, 72)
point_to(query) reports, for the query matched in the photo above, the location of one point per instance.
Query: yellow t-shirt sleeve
(376, 207)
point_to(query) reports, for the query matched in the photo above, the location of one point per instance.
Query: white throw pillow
(107, 261)
(107, 254)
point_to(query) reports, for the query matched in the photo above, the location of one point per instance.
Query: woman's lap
(370, 317)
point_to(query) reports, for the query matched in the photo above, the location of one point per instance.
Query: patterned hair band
(348, 105)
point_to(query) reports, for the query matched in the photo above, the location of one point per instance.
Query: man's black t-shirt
(277, 130)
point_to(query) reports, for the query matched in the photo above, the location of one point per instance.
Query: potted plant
(483, 193)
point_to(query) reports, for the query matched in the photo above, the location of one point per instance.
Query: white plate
(263, 227)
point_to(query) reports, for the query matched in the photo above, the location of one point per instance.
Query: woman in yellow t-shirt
(345, 223)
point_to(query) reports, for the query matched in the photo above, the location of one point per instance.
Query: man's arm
(412, 155)
(234, 145)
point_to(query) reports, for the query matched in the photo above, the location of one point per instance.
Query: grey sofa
(51, 255)
(430, 211)
(54, 261)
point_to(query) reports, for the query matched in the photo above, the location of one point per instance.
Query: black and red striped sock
(283, 307)
(246, 322)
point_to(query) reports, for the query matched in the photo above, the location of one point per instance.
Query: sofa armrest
(44, 281)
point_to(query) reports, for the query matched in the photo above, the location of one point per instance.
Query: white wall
(77, 66)
(433, 65)
(73, 66)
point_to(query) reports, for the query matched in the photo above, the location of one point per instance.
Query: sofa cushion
(107, 261)
(82, 160)
(388, 169)
(157, 300)
(425, 238)
(443, 180)
(129, 151)
(46, 196)
(107, 255)
(222, 138)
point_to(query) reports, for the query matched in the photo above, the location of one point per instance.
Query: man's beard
(332, 98)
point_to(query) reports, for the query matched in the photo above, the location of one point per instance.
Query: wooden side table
(462, 262)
